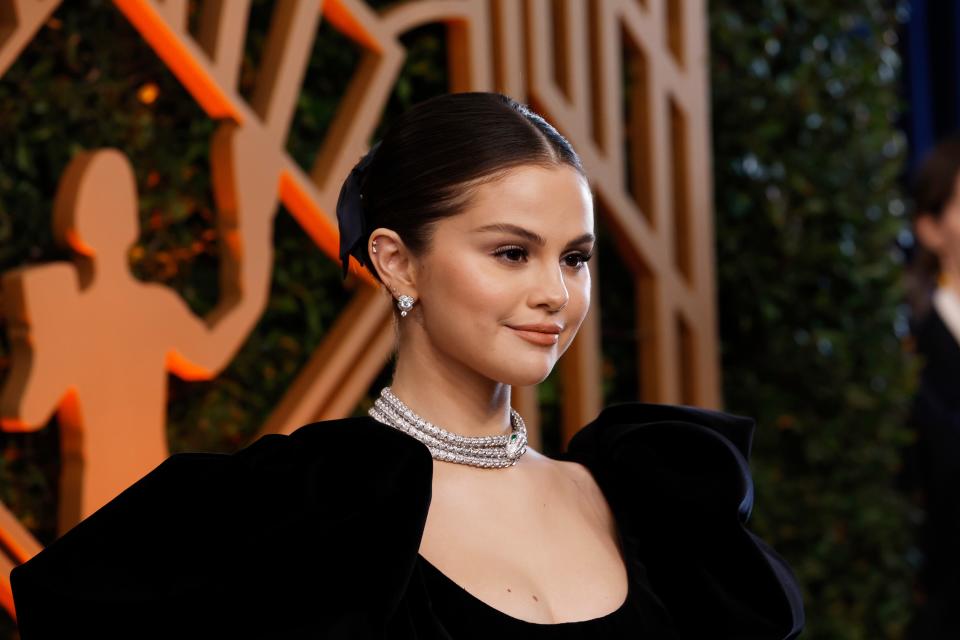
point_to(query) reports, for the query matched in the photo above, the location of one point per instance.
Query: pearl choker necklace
(488, 452)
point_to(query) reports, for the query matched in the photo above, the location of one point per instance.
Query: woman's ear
(929, 235)
(392, 260)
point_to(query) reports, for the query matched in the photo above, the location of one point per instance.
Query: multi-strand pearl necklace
(489, 452)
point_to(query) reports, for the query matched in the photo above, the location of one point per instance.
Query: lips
(541, 327)
(544, 334)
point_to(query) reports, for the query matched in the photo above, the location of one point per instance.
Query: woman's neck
(451, 396)
(950, 279)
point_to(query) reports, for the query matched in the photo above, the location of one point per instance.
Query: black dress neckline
(506, 617)
(677, 479)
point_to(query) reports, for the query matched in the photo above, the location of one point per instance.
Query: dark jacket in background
(934, 470)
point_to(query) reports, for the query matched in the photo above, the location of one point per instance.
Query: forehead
(544, 199)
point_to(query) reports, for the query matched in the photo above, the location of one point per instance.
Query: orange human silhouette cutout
(93, 342)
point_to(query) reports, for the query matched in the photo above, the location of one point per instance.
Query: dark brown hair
(933, 189)
(433, 156)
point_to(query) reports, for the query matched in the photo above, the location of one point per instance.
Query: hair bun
(350, 219)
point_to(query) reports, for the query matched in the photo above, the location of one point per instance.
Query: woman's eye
(580, 259)
(519, 254)
(513, 254)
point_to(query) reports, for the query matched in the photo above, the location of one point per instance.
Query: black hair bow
(350, 218)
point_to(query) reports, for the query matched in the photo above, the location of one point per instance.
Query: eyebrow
(506, 227)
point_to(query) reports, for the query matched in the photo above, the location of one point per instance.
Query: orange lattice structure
(649, 169)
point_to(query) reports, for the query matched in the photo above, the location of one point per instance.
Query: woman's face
(942, 235)
(517, 256)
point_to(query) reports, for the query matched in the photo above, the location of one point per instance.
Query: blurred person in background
(934, 464)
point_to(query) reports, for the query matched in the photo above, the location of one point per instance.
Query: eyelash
(584, 257)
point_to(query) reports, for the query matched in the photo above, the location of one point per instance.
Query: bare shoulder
(572, 478)
(591, 497)
(580, 476)
(576, 471)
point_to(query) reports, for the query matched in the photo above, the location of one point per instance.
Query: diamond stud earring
(405, 303)
(374, 246)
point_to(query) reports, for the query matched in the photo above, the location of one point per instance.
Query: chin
(525, 376)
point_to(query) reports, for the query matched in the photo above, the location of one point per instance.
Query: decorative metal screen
(624, 80)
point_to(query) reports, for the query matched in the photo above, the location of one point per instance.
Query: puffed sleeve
(309, 535)
(678, 481)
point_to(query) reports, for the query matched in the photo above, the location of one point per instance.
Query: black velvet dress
(316, 535)
(464, 616)
(933, 468)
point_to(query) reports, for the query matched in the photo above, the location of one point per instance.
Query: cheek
(471, 290)
(579, 303)
(952, 217)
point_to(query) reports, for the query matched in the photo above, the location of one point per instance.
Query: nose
(551, 289)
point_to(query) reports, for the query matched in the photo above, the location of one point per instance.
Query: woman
(431, 517)
(935, 463)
